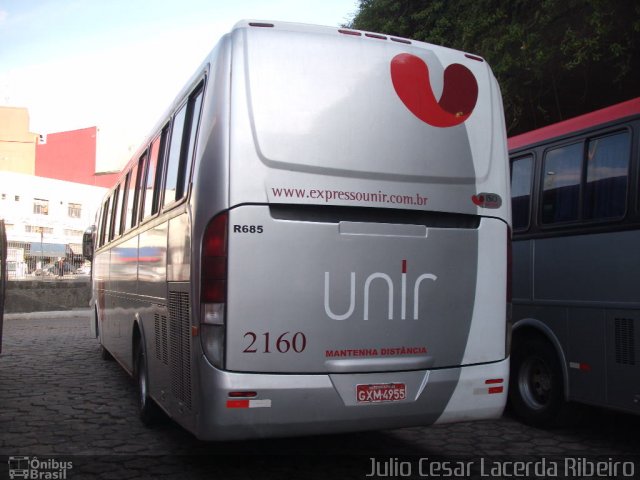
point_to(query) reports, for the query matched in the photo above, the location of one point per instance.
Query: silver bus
(576, 266)
(313, 239)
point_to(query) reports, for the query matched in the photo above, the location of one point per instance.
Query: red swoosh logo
(410, 77)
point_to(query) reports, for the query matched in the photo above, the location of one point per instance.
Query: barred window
(40, 206)
(37, 229)
(75, 210)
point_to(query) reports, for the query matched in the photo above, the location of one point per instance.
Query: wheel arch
(137, 340)
(526, 327)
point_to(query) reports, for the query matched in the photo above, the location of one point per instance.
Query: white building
(45, 218)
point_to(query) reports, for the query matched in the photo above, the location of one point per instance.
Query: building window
(40, 206)
(17, 198)
(38, 229)
(75, 210)
(73, 233)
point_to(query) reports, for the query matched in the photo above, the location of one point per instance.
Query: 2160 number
(265, 342)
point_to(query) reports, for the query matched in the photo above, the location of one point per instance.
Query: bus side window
(521, 176)
(605, 194)
(157, 186)
(106, 221)
(130, 218)
(140, 186)
(183, 140)
(173, 159)
(115, 215)
(562, 172)
(100, 215)
(154, 175)
(194, 114)
(122, 225)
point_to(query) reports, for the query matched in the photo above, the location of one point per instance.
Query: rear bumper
(293, 405)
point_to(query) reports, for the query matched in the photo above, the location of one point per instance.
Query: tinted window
(561, 175)
(521, 191)
(194, 114)
(124, 203)
(141, 185)
(106, 221)
(100, 229)
(131, 197)
(115, 227)
(173, 161)
(607, 172)
(150, 199)
(183, 141)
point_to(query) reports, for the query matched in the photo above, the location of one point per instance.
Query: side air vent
(162, 338)
(625, 341)
(180, 351)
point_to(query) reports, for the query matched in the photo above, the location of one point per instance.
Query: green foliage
(554, 59)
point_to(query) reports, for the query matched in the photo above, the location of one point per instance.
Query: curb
(54, 314)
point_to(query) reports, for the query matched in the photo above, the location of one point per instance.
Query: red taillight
(493, 381)
(496, 389)
(214, 260)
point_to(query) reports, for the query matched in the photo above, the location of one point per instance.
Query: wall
(71, 156)
(47, 296)
(17, 144)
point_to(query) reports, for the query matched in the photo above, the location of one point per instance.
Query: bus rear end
(357, 279)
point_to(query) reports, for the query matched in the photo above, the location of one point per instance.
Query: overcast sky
(117, 64)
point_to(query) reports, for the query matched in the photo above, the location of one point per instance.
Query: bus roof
(575, 124)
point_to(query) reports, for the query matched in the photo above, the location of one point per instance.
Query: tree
(554, 59)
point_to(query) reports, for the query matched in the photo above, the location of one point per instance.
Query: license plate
(383, 392)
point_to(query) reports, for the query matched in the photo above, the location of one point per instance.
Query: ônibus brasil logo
(367, 287)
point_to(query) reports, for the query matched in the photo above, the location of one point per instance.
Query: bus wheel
(148, 410)
(536, 391)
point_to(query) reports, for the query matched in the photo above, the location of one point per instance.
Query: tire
(536, 385)
(148, 410)
(96, 322)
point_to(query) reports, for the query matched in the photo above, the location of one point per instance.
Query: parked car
(83, 270)
(54, 269)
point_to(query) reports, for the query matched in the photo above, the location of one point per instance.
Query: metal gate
(3, 274)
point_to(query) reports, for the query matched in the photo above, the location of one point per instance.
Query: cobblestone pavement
(60, 401)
